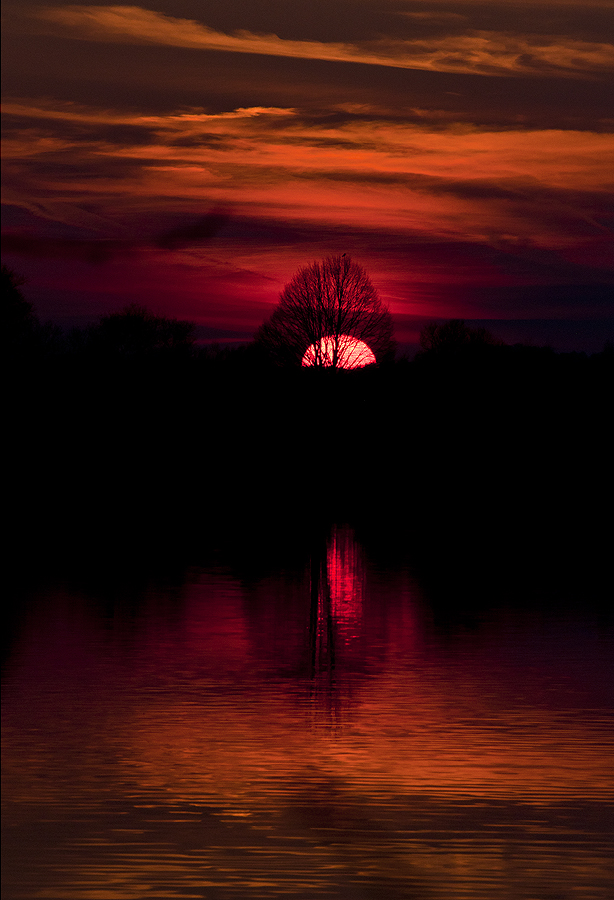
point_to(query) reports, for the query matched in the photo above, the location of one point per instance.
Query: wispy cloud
(483, 52)
(73, 112)
(546, 185)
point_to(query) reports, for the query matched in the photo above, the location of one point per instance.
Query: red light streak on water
(346, 583)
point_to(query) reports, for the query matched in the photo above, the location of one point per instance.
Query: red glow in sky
(461, 152)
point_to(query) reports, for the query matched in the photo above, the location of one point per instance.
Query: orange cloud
(459, 182)
(485, 52)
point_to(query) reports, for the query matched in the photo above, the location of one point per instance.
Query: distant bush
(136, 332)
(455, 336)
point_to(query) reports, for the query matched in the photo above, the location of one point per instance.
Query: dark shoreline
(486, 461)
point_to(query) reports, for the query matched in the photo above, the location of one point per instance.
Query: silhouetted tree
(135, 331)
(453, 336)
(321, 307)
(22, 333)
(19, 323)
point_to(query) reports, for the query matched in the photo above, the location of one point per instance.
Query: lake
(322, 728)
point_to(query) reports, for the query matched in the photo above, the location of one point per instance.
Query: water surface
(317, 731)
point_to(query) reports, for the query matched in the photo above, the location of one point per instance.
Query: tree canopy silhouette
(323, 311)
(453, 337)
(23, 335)
(135, 332)
(19, 321)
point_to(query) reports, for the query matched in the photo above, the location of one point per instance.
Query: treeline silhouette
(128, 437)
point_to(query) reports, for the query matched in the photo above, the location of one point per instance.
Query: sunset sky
(190, 156)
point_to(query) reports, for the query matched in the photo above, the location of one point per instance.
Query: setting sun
(350, 353)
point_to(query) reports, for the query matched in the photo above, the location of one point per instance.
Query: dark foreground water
(323, 731)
